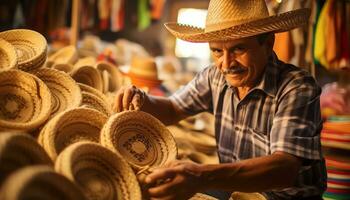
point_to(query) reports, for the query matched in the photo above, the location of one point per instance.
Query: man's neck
(242, 92)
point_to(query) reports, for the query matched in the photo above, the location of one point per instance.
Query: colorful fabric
(117, 15)
(282, 113)
(144, 15)
(157, 9)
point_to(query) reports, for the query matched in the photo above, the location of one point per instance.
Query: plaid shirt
(282, 113)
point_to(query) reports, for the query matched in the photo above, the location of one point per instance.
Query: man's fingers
(128, 94)
(164, 189)
(160, 174)
(119, 101)
(136, 101)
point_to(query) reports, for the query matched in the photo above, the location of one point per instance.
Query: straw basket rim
(91, 72)
(10, 52)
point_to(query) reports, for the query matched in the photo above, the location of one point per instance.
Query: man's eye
(239, 50)
(216, 52)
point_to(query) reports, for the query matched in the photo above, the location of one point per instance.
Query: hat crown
(227, 13)
(144, 67)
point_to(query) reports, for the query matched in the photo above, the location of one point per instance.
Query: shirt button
(236, 128)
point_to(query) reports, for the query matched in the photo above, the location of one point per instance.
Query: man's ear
(270, 41)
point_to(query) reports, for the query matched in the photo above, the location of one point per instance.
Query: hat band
(209, 27)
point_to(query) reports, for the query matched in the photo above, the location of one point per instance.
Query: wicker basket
(30, 45)
(8, 55)
(92, 101)
(18, 150)
(65, 92)
(141, 138)
(25, 101)
(101, 173)
(39, 182)
(71, 126)
(115, 76)
(67, 67)
(88, 75)
(68, 54)
(200, 196)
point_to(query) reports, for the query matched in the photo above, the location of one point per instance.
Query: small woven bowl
(92, 101)
(91, 90)
(25, 101)
(71, 126)
(86, 61)
(88, 75)
(8, 55)
(201, 196)
(100, 173)
(18, 150)
(39, 182)
(65, 91)
(141, 138)
(63, 67)
(115, 75)
(31, 47)
(68, 54)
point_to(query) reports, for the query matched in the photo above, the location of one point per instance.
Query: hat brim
(276, 23)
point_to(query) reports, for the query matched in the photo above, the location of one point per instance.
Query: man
(267, 113)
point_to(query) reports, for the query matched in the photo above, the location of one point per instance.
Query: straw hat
(65, 67)
(31, 47)
(143, 72)
(246, 196)
(18, 150)
(115, 75)
(227, 20)
(39, 182)
(78, 124)
(65, 55)
(89, 76)
(92, 101)
(8, 55)
(99, 172)
(25, 101)
(86, 61)
(141, 138)
(65, 92)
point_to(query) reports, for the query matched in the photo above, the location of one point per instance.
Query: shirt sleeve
(297, 123)
(195, 97)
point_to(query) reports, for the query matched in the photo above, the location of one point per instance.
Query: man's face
(242, 61)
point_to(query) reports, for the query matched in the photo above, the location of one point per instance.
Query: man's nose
(228, 61)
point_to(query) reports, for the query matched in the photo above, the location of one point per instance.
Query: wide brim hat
(8, 55)
(228, 20)
(25, 101)
(89, 76)
(68, 54)
(142, 139)
(31, 47)
(39, 182)
(71, 126)
(18, 150)
(100, 173)
(65, 92)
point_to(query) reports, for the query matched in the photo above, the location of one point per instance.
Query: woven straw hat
(246, 196)
(228, 19)
(86, 61)
(8, 55)
(99, 172)
(89, 76)
(115, 75)
(31, 47)
(95, 99)
(25, 101)
(68, 54)
(65, 92)
(39, 182)
(78, 124)
(143, 72)
(141, 138)
(67, 67)
(18, 150)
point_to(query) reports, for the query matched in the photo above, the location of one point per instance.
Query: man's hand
(129, 98)
(177, 180)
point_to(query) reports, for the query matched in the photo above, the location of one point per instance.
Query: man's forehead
(229, 43)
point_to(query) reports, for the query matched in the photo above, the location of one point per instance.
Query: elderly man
(267, 113)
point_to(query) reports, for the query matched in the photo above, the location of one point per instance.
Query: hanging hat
(65, 91)
(142, 139)
(99, 172)
(143, 72)
(31, 47)
(8, 55)
(78, 124)
(89, 76)
(25, 101)
(39, 182)
(229, 19)
(65, 55)
(18, 150)
(115, 75)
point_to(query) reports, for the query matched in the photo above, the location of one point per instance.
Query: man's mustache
(234, 70)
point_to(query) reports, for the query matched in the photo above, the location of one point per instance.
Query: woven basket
(63, 67)
(31, 47)
(115, 76)
(88, 75)
(8, 55)
(25, 101)
(101, 173)
(65, 55)
(246, 196)
(39, 182)
(18, 150)
(141, 138)
(200, 196)
(65, 92)
(86, 61)
(68, 127)
(92, 101)
(106, 80)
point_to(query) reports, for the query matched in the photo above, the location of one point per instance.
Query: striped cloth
(282, 113)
